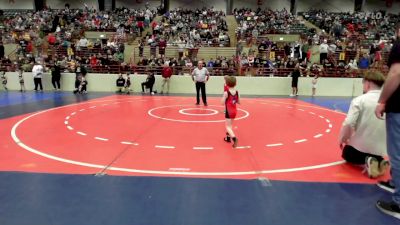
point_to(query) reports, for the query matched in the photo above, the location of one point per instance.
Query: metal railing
(214, 71)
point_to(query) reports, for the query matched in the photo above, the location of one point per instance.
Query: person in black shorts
(295, 79)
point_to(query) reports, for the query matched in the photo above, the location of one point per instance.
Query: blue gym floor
(58, 199)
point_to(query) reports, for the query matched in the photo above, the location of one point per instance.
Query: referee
(200, 76)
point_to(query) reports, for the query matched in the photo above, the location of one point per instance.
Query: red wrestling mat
(283, 139)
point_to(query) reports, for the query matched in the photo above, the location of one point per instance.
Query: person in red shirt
(29, 47)
(230, 99)
(93, 62)
(51, 39)
(166, 74)
(162, 44)
(153, 25)
(140, 25)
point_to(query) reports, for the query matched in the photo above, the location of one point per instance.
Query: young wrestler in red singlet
(230, 99)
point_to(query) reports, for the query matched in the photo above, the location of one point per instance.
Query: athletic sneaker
(386, 185)
(235, 142)
(227, 138)
(383, 167)
(372, 167)
(389, 208)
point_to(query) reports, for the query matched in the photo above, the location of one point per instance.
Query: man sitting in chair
(120, 83)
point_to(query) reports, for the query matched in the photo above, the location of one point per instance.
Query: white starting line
(243, 147)
(301, 140)
(101, 139)
(162, 146)
(129, 143)
(203, 148)
(81, 133)
(273, 145)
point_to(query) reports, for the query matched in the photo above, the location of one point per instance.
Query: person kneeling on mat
(363, 136)
(80, 85)
(149, 83)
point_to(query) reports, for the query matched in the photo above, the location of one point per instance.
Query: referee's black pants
(201, 86)
(38, 82)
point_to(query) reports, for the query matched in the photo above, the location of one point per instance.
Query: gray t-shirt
(200, 74)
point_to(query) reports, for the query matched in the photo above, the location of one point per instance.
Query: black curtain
(39, 4)
(101, 5)
(358, 5)
(293, 7)
(164, 6)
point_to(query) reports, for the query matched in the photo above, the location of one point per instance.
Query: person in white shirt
(37, 73)
(323, 51)
(181, 47)
(353, 64)
(200, 76)
(83, 42)
(363, 136)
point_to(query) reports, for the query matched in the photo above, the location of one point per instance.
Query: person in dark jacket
(56, 76)
(149, 83)
(295, 79)
(120, 83)
(1, 50)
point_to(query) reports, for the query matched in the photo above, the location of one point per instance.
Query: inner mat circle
(166, 112)
(213, 112)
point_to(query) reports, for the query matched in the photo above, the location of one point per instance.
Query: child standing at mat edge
(230, 99)
(314, 82)
(21, 80)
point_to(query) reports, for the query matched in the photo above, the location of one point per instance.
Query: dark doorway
(39, 4)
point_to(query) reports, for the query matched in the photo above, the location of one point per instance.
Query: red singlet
(230, 105)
